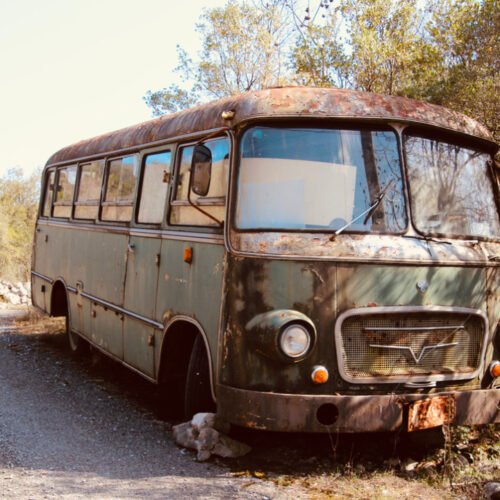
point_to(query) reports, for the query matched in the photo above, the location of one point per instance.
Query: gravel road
(89, 428)
(65, 434)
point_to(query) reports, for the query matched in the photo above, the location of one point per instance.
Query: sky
(74, 69)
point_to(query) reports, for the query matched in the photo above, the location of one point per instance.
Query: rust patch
(432, 412)
(292, 102)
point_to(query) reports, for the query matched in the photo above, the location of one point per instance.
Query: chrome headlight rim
(309, 341)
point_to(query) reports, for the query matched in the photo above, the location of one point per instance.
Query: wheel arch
(59, 302)
(177, 344)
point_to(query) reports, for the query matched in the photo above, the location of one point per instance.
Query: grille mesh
(402, 337)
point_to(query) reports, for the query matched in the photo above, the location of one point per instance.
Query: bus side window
(215, 200)
(89, 190)
(154, 188)
(63, 202)
(49, 191)
(120, 189)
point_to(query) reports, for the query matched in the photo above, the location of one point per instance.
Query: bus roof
(286, 102)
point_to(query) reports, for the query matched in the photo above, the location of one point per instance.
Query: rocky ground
(15, 293)
(89, 428)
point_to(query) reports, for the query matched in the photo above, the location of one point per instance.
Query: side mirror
(201, 169)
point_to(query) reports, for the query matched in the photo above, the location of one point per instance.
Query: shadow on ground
(281, 453)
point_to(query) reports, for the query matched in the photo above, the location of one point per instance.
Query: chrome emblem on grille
(423, 352)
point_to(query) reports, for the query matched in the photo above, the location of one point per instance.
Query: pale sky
(73, 69)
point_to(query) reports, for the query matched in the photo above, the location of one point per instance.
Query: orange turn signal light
(188, 255)
(319, 375)
(495, 369)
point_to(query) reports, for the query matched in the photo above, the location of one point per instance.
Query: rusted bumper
(304, 413)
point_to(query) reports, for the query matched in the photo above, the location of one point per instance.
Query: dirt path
(63, 435)
(89, 428)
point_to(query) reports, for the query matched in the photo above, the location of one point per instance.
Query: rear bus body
(342, 269)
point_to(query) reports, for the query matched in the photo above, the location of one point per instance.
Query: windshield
(451, 192)
(320, 179)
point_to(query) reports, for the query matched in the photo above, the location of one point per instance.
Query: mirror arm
(197, 207)
(215, 133)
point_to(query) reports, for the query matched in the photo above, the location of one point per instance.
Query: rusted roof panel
(276, 102)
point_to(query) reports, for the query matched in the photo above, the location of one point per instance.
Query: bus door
(107, 250)
(143, 263)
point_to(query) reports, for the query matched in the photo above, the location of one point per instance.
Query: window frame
(63, 203)
(456, 140)
(219, 201)
(104, 189)
(335, 124)
(46, 184)
(167, 148)
(88, 203)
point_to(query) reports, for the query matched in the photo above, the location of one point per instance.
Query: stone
(13, 298)
(492, 491)
(184, 435)
(199, 434)
(230, 448)
(201, 420)
(410, 466)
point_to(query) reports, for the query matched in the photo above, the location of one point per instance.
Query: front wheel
(198, 395)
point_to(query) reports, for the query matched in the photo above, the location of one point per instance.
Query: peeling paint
(284, 102)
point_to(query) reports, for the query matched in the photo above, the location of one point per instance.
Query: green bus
(300, 259)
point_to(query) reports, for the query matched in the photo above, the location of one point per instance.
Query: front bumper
(377, 413)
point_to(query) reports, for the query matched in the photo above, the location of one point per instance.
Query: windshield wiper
(368, 212)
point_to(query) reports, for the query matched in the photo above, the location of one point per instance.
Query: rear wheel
(77, 345)
(198, 395)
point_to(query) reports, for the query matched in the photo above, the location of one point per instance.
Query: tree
(442, 51)
(18, 208)
(465, 33)
(241, 50)
(319, 57)
(371, 45)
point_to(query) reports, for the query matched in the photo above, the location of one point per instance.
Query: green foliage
(18, 208)
(465, 33)
(442, 51)
(319, 57)
(241, 51)
(170, 100)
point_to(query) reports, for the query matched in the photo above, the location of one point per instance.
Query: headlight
(295, 340)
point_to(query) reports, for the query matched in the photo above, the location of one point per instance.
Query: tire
(198, 395)
(76, 344)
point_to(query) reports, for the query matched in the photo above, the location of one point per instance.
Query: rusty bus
(306, 259)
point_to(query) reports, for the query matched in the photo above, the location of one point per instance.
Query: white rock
(410, 465)
(184, 435)
(492, 490)
(230, 448)
(13, 298)
(201, 420)
(200, 435)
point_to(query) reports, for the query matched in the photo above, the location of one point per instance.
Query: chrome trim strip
(362, 259)
(412, 329)
(365, 311)
(114, 357)
(121, 310)
(71, 289)
(139, 232)
(423, 352)
(43, 277)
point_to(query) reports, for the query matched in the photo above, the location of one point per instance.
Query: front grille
(409, 343)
